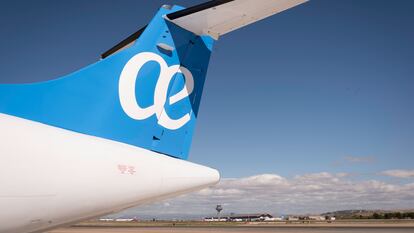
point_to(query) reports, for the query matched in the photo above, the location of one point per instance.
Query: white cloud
(342, 174)
(399, 173)
(347, 160)
(309, 193)
(360, 159)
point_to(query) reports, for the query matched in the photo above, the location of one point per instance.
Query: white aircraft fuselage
(51, 176)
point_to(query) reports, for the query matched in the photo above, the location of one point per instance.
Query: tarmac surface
(292, 229)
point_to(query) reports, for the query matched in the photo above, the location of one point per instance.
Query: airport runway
(236, 230)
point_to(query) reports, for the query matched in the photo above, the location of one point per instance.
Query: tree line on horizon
(388, 215)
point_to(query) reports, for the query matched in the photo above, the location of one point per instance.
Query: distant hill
(348, 214)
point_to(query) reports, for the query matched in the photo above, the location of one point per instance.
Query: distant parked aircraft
(116, 133)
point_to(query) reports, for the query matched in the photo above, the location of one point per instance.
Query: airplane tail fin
(146, 90)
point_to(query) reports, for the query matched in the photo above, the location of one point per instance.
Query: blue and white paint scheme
(142, 96)
(116, 133)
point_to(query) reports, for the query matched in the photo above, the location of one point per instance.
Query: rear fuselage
(51, 176)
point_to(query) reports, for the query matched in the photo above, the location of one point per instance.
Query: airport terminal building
(240, 218)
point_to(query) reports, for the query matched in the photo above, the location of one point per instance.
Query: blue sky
(324, 88)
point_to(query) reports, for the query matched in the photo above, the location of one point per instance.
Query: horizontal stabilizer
(216, 18)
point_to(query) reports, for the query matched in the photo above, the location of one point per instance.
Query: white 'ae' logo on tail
(127, 82)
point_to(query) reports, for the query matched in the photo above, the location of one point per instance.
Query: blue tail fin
(146, 91)
(147, 94)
